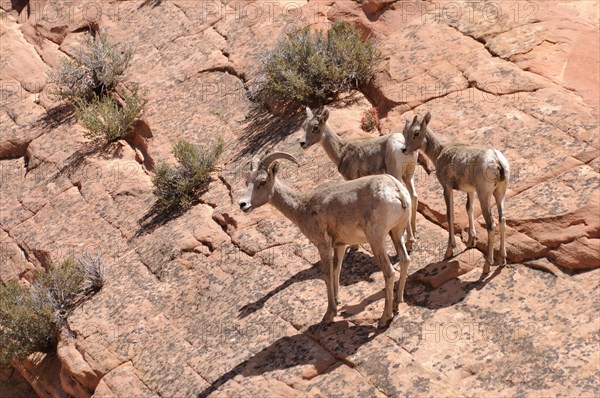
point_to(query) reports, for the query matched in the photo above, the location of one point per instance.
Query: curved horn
(267, 160)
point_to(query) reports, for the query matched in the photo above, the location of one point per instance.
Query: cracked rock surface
(221, 303)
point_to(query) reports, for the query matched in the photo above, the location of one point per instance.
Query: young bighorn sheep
(335, 215)
(467, 168)
(361, 157)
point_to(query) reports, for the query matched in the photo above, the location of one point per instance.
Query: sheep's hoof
(384, 321)
(472, 241)
(327, 318)
(409, 245)
(502, 260)
(449, 253)
(486, 267)
(396, 305)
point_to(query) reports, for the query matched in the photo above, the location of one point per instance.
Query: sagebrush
(178, 187)
(313, 68)
(106, 120)
(31, 317)
(95, 69)
(27, 323)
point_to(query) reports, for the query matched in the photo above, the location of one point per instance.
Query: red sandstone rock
(225, 302)
(582, 253)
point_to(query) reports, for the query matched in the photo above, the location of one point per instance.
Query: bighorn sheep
(335, 215)
(362, 157)
(467, 168)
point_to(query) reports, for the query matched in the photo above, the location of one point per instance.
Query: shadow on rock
(266, 129)
(438, 286)
(56, 116)
(150, 3)
(292, 351)
(156, 217)
(357, 267)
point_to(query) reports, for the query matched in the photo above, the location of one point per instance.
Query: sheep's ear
(324, 115)
(273, 168)
(427, 118)
(406, 125)
(309, 113)
(415, 121)
(254, 163)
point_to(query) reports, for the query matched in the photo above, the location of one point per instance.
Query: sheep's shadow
(357, 267)
(419, 294)
(453, 291)
(277, 355)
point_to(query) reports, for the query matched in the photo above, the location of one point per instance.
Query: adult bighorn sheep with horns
(335, 215)
(467, 168)
(367, 156)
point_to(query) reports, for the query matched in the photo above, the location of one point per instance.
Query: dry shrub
(94, 70)
(315, 67)
(30, 317)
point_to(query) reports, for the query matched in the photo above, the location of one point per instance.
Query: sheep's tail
(503, 167)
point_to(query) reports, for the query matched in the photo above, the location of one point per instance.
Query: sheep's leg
(484, 200)
(472, 234)
(403, 259)
(327, 268)
(500, 204)
(411, 226)
(388, 275)
(338, 259)
(414, 202)
(449, 198)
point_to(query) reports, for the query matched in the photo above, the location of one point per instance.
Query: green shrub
(94, 70)
(177, 187)
(27, 323)
(106, 120)
(309, 68)
(31, 317)
(88, 81)
(60, 287)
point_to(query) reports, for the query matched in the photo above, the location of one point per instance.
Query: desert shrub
(178, 187)
(94, 273)
(106, 120)
(94, 70)
(88, 81)
(27, 323)
(314, 67)
(60, 287)
(30, 317)
(370, 121)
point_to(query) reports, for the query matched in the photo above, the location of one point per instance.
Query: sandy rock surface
(221, 303)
